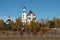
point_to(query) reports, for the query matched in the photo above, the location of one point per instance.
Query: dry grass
(29, 38)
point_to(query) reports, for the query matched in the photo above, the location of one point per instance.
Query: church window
(23, 15)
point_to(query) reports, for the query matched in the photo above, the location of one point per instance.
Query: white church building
(27, 17)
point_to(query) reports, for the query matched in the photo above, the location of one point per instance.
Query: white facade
(30, 16)
(24, 15)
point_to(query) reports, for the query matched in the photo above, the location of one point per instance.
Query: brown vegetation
(34, 27)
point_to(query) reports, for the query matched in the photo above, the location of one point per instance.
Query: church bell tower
(24, 15)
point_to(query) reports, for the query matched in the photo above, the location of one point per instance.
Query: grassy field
(32, 38)
(29, 38)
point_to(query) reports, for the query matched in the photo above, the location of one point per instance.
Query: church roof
(24, 7)
(9, 18)
(30, 12)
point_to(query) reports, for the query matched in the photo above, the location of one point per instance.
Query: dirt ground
(29, 38)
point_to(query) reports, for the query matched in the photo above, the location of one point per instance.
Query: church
(27, 17)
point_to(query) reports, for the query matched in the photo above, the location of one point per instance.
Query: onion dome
(9, 18)
(30, 12)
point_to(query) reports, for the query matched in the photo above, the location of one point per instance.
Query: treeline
(34, 27)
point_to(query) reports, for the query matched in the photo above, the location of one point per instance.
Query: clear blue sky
(42, 8)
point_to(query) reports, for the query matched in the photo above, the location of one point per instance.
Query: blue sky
(42, 8)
